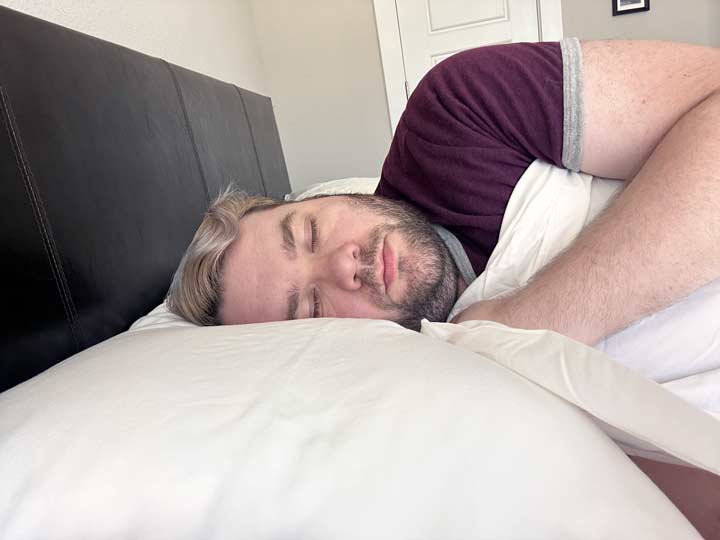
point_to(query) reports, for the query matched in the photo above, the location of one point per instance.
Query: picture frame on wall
(623, 7)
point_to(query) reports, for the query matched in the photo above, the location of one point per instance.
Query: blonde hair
(195, 290)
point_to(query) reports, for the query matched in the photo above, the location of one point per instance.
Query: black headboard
(108, 158)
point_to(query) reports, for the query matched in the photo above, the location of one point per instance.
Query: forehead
(244, 299)
(327, 205)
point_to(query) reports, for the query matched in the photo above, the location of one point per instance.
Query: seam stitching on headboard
(42, 222)
(252, 137)
(181, 98)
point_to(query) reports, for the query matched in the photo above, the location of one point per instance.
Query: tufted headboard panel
(108, 159)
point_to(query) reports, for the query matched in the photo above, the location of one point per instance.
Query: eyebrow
(288, 244)
(288, 237)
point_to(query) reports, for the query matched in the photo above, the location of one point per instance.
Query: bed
(120, 420)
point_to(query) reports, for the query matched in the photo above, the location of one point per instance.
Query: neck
(461, 286)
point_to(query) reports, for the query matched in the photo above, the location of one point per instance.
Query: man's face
(340, 256)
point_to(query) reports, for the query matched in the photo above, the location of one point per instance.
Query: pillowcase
(335, 187)
(327, 428)
(646, 419)
(161, 317)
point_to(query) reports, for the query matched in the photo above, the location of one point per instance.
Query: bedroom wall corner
(714, 24)
(324, 73)
(223, 41)
(690, 21)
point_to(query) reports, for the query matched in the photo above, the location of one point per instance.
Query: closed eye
(316, 305)
(313, 234)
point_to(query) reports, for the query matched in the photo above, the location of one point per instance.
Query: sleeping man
(644, 112)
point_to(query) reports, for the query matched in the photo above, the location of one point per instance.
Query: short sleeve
(470, 129)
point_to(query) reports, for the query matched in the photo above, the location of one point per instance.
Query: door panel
(432, 30)
(454, 14)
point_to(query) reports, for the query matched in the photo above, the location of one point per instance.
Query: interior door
(432, 30)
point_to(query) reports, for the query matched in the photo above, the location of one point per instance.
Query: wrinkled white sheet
(679, 346)
(644, 418)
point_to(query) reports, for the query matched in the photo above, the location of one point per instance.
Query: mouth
(388, 265)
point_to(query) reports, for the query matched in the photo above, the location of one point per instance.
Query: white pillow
(316, 429)
(335, 187)
(161, 317)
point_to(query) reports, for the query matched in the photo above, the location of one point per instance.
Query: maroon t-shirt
(470, 129)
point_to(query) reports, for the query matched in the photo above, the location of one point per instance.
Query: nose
(341, 267)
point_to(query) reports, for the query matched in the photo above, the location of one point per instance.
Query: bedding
(548, 209)
(335, 187)
(327, 428)
(624, 403)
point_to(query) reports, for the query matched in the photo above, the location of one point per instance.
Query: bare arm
(652, 113)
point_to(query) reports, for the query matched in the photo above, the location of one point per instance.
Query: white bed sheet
(678, 347)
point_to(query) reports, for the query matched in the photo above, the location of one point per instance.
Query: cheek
(357, 306)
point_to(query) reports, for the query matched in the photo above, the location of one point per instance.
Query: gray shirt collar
(457, 252)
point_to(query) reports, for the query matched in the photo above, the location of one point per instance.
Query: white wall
(323, 68)
(319, 59)
(691, 21)
(714, 22)
(214, 37)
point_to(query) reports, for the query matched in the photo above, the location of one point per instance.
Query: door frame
(388, 29)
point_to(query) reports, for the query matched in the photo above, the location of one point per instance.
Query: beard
(432, 275)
